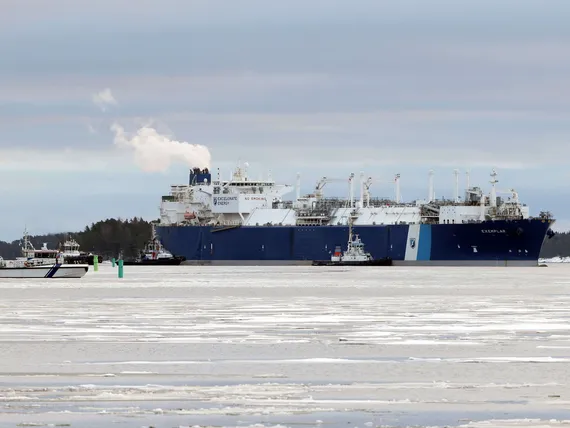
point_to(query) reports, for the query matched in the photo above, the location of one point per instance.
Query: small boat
(42, 263)
(155, 254)
(354, 254)
(24, 269)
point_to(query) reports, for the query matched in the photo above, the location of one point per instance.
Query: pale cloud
(421, 137)
(532, 55)
(147, 88)
(417, 137)
(104, 98)
(246, 13)
(64, 160)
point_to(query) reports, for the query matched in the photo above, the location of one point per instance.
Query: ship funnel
(199, 176)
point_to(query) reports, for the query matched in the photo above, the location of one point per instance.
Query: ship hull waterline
(52, 271)
(404, 263)
(382, 262)
(490, 243)
(156, 262)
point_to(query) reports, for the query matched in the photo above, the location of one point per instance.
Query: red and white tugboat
(355, 255)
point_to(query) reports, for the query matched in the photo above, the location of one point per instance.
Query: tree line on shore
(109, 237)
(105, 238)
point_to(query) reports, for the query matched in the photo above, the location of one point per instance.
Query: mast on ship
(27, 247)
(349, 230)
(350, 222)
(154, 247)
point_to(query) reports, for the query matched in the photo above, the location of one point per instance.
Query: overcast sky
(321, 87)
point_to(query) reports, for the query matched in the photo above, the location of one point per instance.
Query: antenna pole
(361, 189)
(456, 172)
(349, 230)
(350, 183)
(494, 181)
(397, 181)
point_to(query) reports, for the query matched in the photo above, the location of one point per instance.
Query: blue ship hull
(489, 243)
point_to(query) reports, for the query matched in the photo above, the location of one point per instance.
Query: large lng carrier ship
(246, 221)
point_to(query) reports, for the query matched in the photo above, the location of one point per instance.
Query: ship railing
(545, 215)
(308, 223)
(229, 223)
(508, 217)
(222, 227)
(451, 202)
(392, 204)
(14, 263)
(430, 207)
(381, 201)
(313, 213)
(329, 203)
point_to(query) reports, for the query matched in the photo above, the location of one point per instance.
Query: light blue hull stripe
(424, 244)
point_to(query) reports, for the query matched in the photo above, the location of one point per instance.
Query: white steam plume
(104, 98)
(155, 152)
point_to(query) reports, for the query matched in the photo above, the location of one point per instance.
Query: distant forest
(106, 238)
(109, 237)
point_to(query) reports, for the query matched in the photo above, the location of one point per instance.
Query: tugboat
(354, 254)
(154, 254)
(72, 254)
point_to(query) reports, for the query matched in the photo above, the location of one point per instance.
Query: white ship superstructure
(37, 257)
(71, 248)
(246, 202)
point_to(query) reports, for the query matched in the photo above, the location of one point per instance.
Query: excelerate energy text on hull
(246, 221)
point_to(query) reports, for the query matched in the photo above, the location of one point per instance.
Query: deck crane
(366, 188)
(323, 181)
